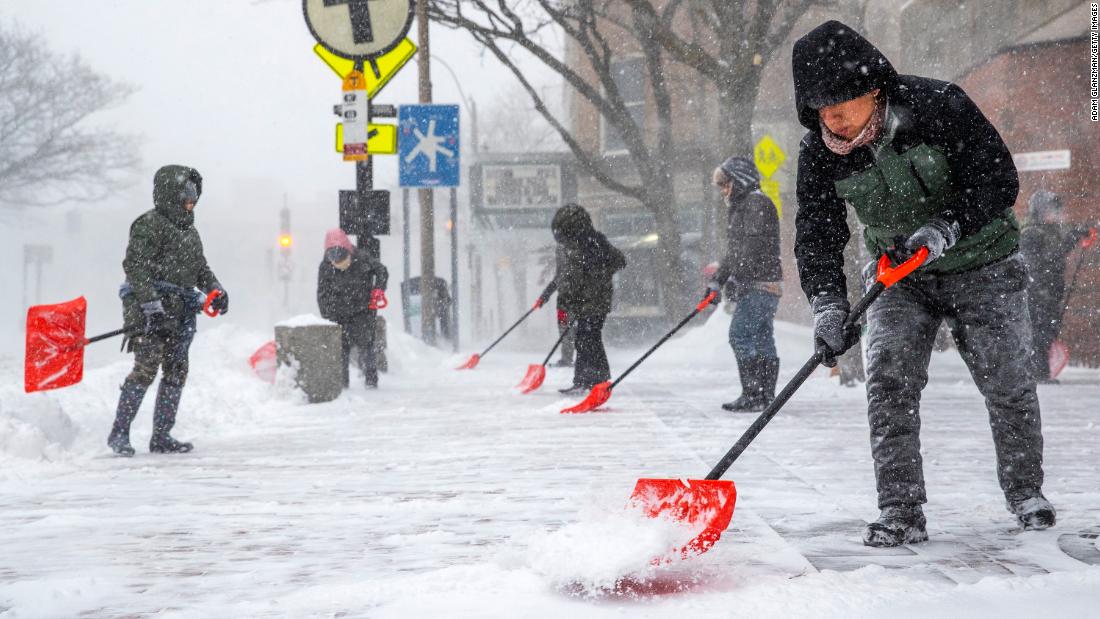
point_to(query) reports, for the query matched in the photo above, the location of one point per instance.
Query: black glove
(220, 304)
(937, 235)
(831, 338)
(156, 320)
(715, 288)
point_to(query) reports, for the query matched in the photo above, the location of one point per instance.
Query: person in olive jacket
(584, 287)
(165, 268)
(921, 166)
(752, 270)
(351, 285)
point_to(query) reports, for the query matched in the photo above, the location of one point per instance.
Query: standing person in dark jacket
(351, 285)
(584, 286)
(164, 266)
(751, 264)
(922, 167)
(1046, 241)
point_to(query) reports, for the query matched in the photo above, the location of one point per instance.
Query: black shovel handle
(510, 329)
(887, 276)
(104, 336)
(561, 338)
(698, 308)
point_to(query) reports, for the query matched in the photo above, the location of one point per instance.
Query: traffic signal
(285, 238)
(285, 241)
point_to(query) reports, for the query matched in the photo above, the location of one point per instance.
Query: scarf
(870, 133)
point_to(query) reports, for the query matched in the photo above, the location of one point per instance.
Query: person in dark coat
(1046, 242)
(751, 267)
(922, 167)
(351, 285)
(583, 282)
(165, 268)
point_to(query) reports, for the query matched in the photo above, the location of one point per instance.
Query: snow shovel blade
(536, 373)
(55, 345)
(264, 362)
(471, 363)
(1057, 358)
(703, 504)
(600, 393)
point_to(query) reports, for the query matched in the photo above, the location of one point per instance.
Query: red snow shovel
(708, 503)
(601, 393)
(537, 373)
(475, 358)
(55, 343)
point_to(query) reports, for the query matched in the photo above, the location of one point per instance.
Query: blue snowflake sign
(427, 146)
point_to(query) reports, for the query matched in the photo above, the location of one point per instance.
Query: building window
(629, 77)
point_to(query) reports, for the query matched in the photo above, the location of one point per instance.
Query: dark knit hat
(1043, 203)
(742, 172)
(571, 222)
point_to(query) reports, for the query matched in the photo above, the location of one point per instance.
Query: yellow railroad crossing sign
(768, 156)
(378, 71)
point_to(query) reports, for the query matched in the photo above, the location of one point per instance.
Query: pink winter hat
(337, 238)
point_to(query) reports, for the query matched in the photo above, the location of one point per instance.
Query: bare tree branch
(50, 151)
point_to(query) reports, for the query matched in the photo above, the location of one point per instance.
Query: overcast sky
(232, 87)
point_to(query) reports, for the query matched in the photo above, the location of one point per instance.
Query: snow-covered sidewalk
(446, 494)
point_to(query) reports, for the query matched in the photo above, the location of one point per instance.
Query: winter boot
(752, 388)
(576, 390)
(897, 525)
(129, 401)
(1034, 513)
(164, 418)
(562, 363)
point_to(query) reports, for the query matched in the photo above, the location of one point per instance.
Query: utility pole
(427, 207)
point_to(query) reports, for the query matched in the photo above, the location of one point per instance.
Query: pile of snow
(223, 397)
(594, 555)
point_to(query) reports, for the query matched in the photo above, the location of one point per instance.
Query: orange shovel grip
(888, 275)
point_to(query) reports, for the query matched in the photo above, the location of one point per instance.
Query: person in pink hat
(351, 287)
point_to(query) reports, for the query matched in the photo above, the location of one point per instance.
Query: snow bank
(58, 429)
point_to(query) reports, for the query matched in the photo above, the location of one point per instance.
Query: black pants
(359, 333)
(591, 366)
(1046, 322)
(986, 310)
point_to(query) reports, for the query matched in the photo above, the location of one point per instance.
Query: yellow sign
(378, 71)
(381, 140)
(770, 188)
(768, 156)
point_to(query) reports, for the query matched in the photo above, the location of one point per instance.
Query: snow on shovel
(708, 503)
(601, 393)
(537, 373)
(475, 358)
(55, 343)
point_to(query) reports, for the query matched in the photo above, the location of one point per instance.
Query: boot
(752, 388)
(164, 418)
(1034, 513)
(897, 525)
(129, 401)
(562, 363)
(576, 390)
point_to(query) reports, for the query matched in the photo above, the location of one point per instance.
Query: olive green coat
(165, 247)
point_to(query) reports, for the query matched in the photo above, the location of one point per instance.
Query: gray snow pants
(986, 310)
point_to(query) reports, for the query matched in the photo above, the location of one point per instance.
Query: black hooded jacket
(344, 295)
(833, 63)
(588, 263)
(752, 238)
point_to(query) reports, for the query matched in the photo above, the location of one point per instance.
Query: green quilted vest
(903, 191)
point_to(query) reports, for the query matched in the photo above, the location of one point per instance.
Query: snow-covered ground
(447, 494)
